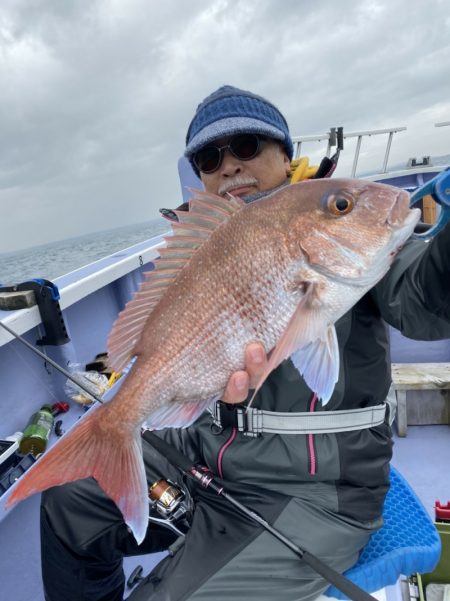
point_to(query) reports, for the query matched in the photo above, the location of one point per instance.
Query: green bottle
(37, 432)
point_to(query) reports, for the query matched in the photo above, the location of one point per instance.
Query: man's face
(266, 171)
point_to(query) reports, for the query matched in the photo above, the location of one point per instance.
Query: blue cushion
(408, 542)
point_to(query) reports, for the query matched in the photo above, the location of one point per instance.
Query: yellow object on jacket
(301, 169)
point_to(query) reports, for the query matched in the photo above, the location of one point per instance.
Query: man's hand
(242, 381)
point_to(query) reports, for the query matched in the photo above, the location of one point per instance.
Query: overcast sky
(96, 95)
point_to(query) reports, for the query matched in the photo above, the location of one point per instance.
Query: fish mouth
(401, 215)
(402, 219)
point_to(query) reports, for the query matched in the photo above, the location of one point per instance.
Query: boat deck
(423, 458)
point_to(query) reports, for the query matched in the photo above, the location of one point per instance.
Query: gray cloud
(96, 95)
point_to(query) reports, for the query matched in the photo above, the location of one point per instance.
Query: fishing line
(32, 370)
(41, 335)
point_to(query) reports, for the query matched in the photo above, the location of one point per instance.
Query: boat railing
(330, 137)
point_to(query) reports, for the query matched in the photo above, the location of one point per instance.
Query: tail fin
(113, 458)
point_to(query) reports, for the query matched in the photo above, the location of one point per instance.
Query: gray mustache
(235, 183)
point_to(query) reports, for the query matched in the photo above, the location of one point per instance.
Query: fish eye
(339, 204)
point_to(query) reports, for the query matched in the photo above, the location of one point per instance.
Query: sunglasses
(244, 147)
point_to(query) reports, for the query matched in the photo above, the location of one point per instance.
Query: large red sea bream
(280, 271)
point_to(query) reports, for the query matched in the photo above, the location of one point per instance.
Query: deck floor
(423, 458)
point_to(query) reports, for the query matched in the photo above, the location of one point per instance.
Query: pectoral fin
(318, 363)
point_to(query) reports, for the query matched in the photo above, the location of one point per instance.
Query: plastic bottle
(37, 432)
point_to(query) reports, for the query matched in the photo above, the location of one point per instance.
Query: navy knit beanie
(229, 111)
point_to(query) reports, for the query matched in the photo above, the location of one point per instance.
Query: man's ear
(287, 164)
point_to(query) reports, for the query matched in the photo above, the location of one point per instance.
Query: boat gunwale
(81, 282)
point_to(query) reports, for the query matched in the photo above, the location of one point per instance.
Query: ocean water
(52, 260)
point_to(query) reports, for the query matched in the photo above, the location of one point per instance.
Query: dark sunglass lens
(245, 147)
(207, 159)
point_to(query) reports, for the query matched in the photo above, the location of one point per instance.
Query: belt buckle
(234, 416)
(228, 415)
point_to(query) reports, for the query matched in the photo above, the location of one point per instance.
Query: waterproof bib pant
(224, 556)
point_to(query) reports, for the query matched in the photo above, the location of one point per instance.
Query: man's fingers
(255, 362)
(237, 388)
(241, 381)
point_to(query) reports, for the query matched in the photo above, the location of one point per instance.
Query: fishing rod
(58, 367)
(205, 480)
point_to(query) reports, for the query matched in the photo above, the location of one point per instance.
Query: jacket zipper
(311, 446)
(222, 451)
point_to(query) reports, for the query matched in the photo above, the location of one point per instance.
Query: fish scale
(280, 271)
(240, 321)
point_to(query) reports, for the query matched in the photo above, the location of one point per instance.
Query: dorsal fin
(206, 213)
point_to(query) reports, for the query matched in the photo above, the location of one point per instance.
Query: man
(324, 491)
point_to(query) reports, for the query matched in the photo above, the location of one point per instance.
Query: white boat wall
(90, 299)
